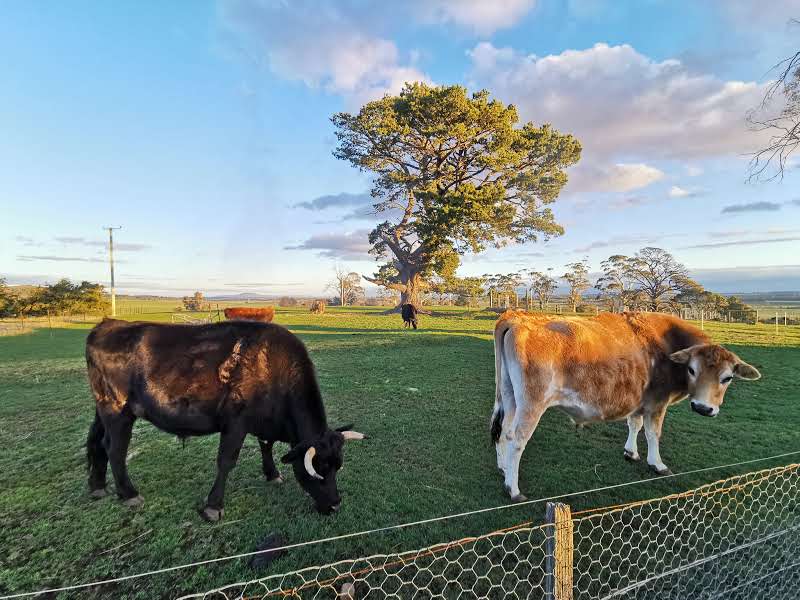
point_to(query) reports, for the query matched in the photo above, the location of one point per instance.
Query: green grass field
(424, 398)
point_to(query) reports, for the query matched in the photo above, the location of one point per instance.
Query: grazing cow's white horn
(353, 435)
(310, 453)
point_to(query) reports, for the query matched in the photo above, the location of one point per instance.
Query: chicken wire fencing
(737, 538)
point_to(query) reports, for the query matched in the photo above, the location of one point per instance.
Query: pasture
(424, 397)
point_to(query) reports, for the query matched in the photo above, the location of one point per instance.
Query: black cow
(409, 313)
(233, 378)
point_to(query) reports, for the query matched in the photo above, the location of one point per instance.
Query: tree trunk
(412, 293)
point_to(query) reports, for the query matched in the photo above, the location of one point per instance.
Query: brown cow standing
(610, 367)
(262, 315)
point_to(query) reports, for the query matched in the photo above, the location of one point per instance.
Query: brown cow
(262, 315)
(610, 367)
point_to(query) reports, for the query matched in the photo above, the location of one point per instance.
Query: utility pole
(111, 264)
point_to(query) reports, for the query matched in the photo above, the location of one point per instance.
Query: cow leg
(118, 437)
(509, 407)
(97, 458)
(521, 430)
(652, 431)
(268, 464)
(635, 423)
(501, 447)
(230, 443)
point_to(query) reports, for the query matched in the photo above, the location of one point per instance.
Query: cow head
(709, 370)
(315, 465)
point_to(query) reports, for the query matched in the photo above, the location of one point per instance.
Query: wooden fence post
(558, 551)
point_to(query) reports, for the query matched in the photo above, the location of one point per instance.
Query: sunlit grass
(424, 397)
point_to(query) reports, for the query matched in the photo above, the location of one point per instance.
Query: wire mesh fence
(734, 539)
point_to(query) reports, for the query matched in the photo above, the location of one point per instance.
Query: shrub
(318, 307)
(286, 301)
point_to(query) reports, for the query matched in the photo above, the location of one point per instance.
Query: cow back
(260, 314)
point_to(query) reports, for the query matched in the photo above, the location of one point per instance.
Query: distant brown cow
(262, 315)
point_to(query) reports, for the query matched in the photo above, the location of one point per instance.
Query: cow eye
(726, 380)
(691, 371)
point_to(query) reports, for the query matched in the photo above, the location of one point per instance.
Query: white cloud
(774, 15)
(624, 240)
(620, 177)
(352, 245)
(620, 102)
(677, 191)
(692, 171)
(482, 16)
(323, 45)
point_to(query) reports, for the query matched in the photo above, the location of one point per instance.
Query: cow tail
(496, 424)
(95, 450)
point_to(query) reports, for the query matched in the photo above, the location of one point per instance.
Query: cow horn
(353, 435)
(310, 453)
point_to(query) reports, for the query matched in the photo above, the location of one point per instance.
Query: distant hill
(770, 296)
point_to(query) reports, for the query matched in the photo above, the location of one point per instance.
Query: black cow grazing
(233, 378)
(409, 312)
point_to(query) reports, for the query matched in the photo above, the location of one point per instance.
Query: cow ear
(681, 356)
(294, 453)
(744, 371)
(344, 428)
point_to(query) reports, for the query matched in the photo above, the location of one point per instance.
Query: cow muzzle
(704, 409)
(328, 509)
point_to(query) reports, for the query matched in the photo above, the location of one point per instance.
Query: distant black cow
(409, 312)
(233, 378)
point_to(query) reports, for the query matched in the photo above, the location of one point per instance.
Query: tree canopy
(577, 278)
(649, 280)
(61, 297)
(781, 125)
(453, 172)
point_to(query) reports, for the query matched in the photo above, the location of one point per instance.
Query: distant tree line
(650, 280)
(60, 298)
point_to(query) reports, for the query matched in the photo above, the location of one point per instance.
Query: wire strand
(389, 528)
(700, 561)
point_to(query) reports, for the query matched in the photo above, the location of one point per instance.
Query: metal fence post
(558, 552)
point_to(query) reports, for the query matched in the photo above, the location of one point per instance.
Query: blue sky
(203, 129)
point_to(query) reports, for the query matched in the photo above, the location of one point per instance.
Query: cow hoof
(212, 515)
(133, 502)
(630, 456)
(661, 472)
(519, 498)
(275, 480)
(98, 493)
